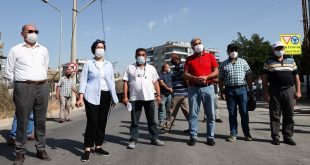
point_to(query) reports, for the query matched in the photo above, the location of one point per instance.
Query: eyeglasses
(197, 44)
(33, 31)
(233, 50)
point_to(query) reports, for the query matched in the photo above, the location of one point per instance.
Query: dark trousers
(28, 98)
(281, 101)
(149, 108)
(97, 116)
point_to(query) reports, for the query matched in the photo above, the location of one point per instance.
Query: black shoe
(20, 158)
(85, 156)
(164, 130)
(289, 141)
(43, 155)
(191, 142)
(102, 152)
(186, 131)
(210, 142)
(219, 120)
(60, 121)
(275, 141)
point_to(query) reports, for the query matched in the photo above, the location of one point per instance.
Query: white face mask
(99, 52)
(233, 55)
(279, 53)
(198, 48)
(168, 71)
(32, 37)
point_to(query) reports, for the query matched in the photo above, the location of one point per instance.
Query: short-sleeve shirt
(65, 86)
(141, 82)
(280, 73)
(201, 65)
(234, 73)
(166, 77)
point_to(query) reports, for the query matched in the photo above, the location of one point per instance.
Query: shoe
(85, 156)
(31, 137)
(161, 124)
(19, 159)
(219, 120)
(11, 141)
(132, 145)
(210, 142)
(157, 142)
(191, 142)
(248, 137)
(43, 155)
(186, 131)
(231, 138)
(289, 141)
(164, 130)
(60, 121)
(68, 120)
(102, 152)
(275, 141)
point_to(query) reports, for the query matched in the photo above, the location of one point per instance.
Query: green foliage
(254, 50)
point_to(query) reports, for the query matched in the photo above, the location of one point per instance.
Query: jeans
(196, 95)
(149, 109)
(237, 96)
(29, 126)
(164, 107)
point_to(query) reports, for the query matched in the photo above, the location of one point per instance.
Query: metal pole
(60, 51)
(73, 46)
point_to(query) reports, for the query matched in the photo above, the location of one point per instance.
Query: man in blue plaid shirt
(235, 75)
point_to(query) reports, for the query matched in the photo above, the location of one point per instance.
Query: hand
(125, 101)
(170, 90)
(203, 79)
(113, 105)
(223, 97)
(158, 100)
(297, 95)
(79, 103)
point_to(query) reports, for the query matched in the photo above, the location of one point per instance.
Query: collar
(198, 55)
(28, 46)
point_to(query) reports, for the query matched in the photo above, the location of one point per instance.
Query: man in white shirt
(142, 78)
(26, 69)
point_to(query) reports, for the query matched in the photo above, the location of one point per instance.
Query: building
(161, 54)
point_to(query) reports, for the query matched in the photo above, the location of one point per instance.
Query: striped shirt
(234, 73)
(280, 73)
(65, 86)
(177, 81)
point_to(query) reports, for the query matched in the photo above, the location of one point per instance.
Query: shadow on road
(73, 146)
(4, 133)
(7, 151)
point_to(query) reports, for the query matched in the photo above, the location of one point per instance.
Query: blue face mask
(140, 60)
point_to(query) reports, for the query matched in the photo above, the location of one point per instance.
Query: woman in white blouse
(97, 91)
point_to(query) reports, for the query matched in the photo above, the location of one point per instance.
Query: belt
(201, 85)
(234, 87)
(33, 82)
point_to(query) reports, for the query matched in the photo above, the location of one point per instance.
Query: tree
(254, 50)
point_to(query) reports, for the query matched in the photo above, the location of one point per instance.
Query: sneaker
(20, 158)
(43, 155)
(248, 137)
(186, 131)
(161, 124)
(191, 142)
(231, 138)
(164, 130)
(210, 142)
(60, 121)
(275, 141)
(100, 151)
(132, 145)
(289, 141)
(157, 142)
(219, 120)
(85, 156)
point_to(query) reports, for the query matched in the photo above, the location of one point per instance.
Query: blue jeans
(29, 126)
(164, 107)
(196, 95)
(237, 96)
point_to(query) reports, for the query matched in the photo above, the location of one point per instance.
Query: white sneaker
(132, 145)
(157, 142)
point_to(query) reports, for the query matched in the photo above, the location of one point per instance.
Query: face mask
(140, 60)
(233, 55)
(168, 71)
(99, 53)
(198, 48)
(279, 53)
(32, 38)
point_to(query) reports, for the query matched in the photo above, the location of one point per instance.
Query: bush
(7, 107)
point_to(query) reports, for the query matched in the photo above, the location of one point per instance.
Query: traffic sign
(72, 67)
(292, 43)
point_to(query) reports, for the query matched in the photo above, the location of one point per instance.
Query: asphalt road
(65, 141)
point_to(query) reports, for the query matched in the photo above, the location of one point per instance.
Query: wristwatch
(157, 95)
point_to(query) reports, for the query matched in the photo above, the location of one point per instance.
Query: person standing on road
(217, 111)
(280, 75)
(165, 91)
(26, 67)
(63, 92)
(235, 75)
(200, 70)
(141, 79)
(179, 95)
(97, 91)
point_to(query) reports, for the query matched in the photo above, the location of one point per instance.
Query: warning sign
(72, 67)
(292, 43)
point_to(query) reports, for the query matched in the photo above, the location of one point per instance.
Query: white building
(161, 54)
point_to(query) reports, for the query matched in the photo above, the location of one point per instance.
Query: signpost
(292, 44)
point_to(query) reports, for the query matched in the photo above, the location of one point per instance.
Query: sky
(130, 24)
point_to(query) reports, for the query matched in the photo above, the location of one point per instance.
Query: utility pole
(73, 41)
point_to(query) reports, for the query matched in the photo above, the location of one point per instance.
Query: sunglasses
(233, 50)
(33, 31)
